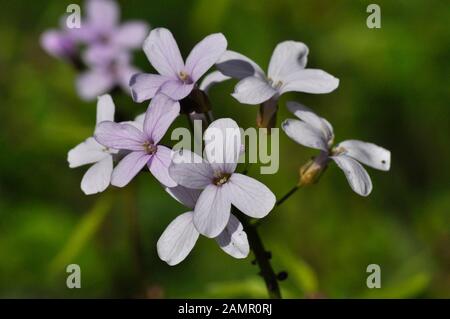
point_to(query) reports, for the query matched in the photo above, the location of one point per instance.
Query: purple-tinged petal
(86, 152)
(100, 55)
(238, 66)
(159, 166)
(119, 136)
(129, 167)
(97, 177)
(250, 196)
(93, 83)
(356, 175)
(176, 89)
(163, 53)
(367, 153)
(189, 170)
(124, 75)
(212, 211)
(186, 196)
(287, 58)
(205, 54)
(177, 240)
(103, 15)
(305, 134)
(160, 114)
(105, 108)
(58, 44)
(145, 86)
(253, 90)
(212, 79)
(233, 240)
(309, 81)
(131, 35)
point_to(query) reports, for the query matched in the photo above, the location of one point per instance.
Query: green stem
(287, 195)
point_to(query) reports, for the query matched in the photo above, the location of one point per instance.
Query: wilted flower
(316, 132)
(176, 79)
(180, 236)
(98, 176)
(142, 144)
(221, 186)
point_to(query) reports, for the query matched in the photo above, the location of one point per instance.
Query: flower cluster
(208, 184)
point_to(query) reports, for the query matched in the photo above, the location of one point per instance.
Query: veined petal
(163, 53)
(119, 136)
(308, 116)
(131, 35)
(93, 83)
(223, 145)
(238, 66)
(253, 90)
(129, 167)
(212, 79)
(367, 153)
(190, 170)
(176, 89)
(86, 152)
(160, 114)
(233, 240)
(310, 81)
(287, 58)
(212, 211)
(205, 54)
(105, 108)
(177, 241)
(144, 86)
(305, 134)
(186, 196)
(159, 166)
(250, 196)
(356, 175)
(98, 176)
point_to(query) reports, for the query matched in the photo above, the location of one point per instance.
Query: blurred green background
(394, 91)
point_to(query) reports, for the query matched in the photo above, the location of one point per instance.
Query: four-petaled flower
(316, 132)
(222, 187)
(98, 176)
(176, 79)
(180, 236)
(142, 144)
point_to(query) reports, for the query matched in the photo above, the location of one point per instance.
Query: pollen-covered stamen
(221, 178)
(149, 148)
(275, 84)
(183, 76)
(337, 150)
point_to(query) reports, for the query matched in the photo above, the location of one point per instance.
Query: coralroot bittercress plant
(222, 203)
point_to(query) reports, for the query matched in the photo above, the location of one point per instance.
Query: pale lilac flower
(222, 187)
(287, 73)
(316, 132)
(176, 79)
(98, 176)
(179, 238)
(59, 43)
(142, 144)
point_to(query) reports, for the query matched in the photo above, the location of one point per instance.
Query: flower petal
(93, 83)
(105, 108)
(86, 152)
(58, 44)
(177, 241)
(223, 145)
(189, 170)
(233, 240)
(159, 166)
(160, 114)
(212, 211)
(119, 136)
(287, 58)
(98, 176)
(176, 89)
(129, 167)
(367, 153)
(238, 66)
(163, 53)
(186, 196)
(212, 79)
(144, 86)
(253, 90)
(250, 196)
(356, 175)
(305, 134)
(310, 81)
(131, 35)
(311, 118)
(205, 54)
(102, 14)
